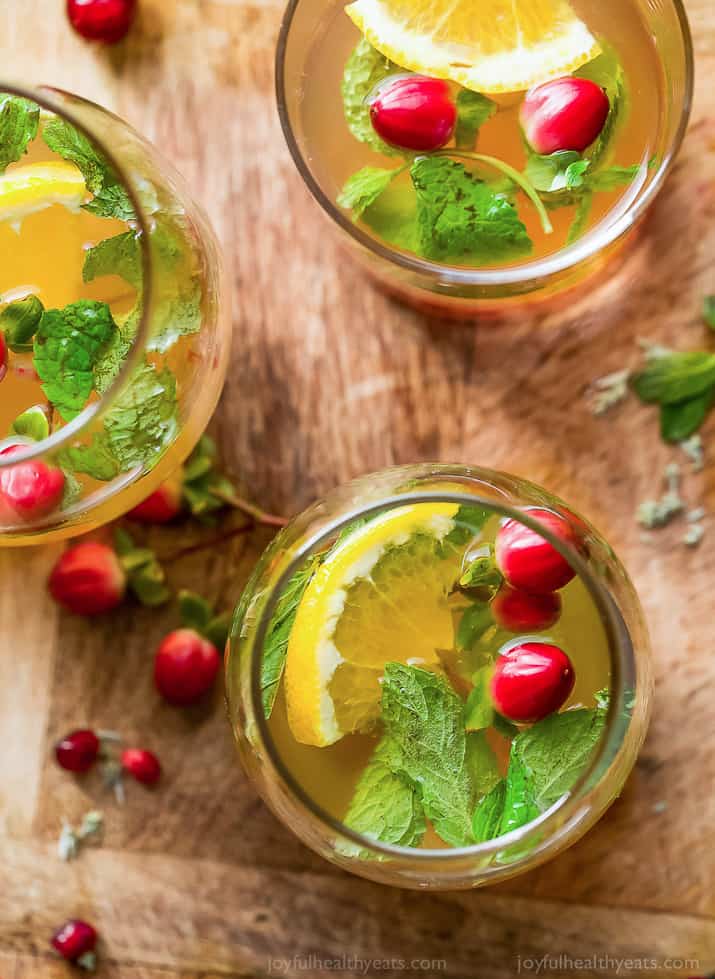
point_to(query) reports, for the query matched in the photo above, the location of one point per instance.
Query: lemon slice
(379, 597)
(489, 46)
(36, 186)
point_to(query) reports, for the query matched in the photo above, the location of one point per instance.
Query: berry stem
(510, 172)
(250, 509)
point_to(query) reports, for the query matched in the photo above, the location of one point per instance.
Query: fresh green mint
(563, 170)
(177, 312)
(481, 763)
(479, 709)
(581, 217)
(143, 419)
(198, 614)
(488, 814)
(94, 460)
(19, 321)
(145, 575)
(19, 121)
(424, 723)
(67, 345)
(473, 623)
(364, 187)
(276, 643)
(110, 199)
(607, 71)
(473, 110)
(120, 255)
(386, 806)
(683, 384)
(364, 71)
(459, 215)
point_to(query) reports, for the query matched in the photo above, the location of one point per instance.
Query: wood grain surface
(329, 379)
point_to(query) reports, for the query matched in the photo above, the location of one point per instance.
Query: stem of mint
(510, 172)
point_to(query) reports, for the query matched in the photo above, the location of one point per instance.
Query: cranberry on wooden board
(77, 751)
(185, 667)
(74, 939)
(88, 579)
(414, 112)
(527, 560)
(160, 507)
(563, 114)
(142, 765)
(531, 680)
(102, 20)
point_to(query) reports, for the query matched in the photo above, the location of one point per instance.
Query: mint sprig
(473, 110)
(683, 385)
(198, 614)
(145, 575)
(120, 255)
(364, 70)
(364, 187)
(19, 121)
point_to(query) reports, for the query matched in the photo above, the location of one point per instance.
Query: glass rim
(42, 95)
(621, 652)
(596, 240)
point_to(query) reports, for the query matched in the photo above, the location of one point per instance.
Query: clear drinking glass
(171, 376)
(629, 671)
(459, 291)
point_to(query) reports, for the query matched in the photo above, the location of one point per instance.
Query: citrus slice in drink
(381, 595)
(491, 46)
(35, 186)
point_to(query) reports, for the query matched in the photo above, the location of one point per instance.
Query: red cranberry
(77, 751)
(74, 939)
(30, 490)
(531, 681)
(523, 611)
(563, 114)
(102, 20)
(414, 112)
(3, 356)
(527, 560)
(88, 579)
(142, 765)
(162, 506)
(185, 667)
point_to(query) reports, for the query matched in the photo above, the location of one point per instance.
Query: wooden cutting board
(328, 380)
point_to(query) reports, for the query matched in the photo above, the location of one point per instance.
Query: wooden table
(330, 379)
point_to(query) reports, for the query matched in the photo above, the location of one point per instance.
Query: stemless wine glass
(628, 669)
(171, 357)
(308, 73)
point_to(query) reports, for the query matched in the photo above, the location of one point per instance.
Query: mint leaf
(488, 814)
(143, 421)
(481, 763)
(177, 310)
(32, 424)
(19, 120)
(574, 175)
(393, 217)
(364, 70)
(275, 646)
(468, 522)
(607, 71)
(364, 187)
(120, 255)
(67, 345)
(195, 611)
(145, 575)
(479, 709)
(681, 420)
(473, 110)
(427, 746)
(709, 311)
(458, 215)
(95, 460)
(675, 377)
(583, 213)
(549, 173)
(115, 353)
(204, 485)
(386, 806)
(19, 322)
(110, 196)
(519, 803)
(613, 177)
(474, 622)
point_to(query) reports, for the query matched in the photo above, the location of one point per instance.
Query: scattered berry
(563, 114)
(523, 611)
(414, 112)
(531, 681)
(162, 506)
(74, 939)
(78, 750)
(3, 356)
(185, 667)
(527, 560)
(102, 20)
(30, 490)
(88, 579)
(142, 765)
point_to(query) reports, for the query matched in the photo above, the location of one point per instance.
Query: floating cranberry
(531, 681)
(3, 356)
(414, 112)
(77, 751)
(102, 20)
(523, 611)
(88, 579)
(185, 667)
(527, 560)
(30, 490)
(74, 939)
(563, 114)
(142, 765)
(162, 506)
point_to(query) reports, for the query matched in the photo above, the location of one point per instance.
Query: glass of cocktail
(476, 156)
(114, 330)
(439, 676)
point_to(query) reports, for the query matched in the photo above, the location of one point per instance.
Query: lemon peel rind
(491, 74)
